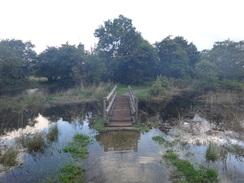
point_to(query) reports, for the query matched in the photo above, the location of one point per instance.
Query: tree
(58, 64)
(16, 61)
(128, 57)
(229, 58)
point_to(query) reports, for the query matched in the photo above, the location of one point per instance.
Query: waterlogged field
(67, 148)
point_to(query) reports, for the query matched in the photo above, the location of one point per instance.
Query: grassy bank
(41, 100)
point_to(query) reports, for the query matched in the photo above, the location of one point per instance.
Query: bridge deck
(121, 116)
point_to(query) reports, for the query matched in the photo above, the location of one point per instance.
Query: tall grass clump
(211, 153)
(100, 124)
(52, 134)
(35, 143)
(8, 158)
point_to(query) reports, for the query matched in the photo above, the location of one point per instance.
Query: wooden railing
(133, 105)
(108, 102)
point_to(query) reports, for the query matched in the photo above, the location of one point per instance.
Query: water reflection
(122, 141)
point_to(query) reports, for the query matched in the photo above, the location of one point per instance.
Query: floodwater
(116, 156)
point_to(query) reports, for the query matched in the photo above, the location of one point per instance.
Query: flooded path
(121, 156)
(115, 156)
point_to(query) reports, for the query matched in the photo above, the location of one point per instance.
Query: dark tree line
(122, 55)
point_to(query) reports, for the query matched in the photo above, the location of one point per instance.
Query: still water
(115, 156)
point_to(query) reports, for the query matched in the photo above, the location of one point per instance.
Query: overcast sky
(54, 22)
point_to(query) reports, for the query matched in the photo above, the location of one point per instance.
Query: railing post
(104, 106)
(136, 107)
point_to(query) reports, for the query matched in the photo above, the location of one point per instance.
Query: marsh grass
(52, 134)
(141, 127)
(8, 158)
(71, 173)
(186, 172)
(33, 143)
(211, 153)
(78, 147)
(100, 124)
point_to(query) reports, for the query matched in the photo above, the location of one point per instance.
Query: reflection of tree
(12, 120)
(119, 140)
(70, 112)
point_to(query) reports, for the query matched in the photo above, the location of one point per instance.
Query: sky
(55, 22)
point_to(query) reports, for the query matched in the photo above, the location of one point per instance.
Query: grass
(52, 134)
(78, 147)
(142, 94)
(211, 153)
(186, 172)
(71, 173)
(40, 100)
(141, 127)
(8, 159)
(35, 143)
(99, 124)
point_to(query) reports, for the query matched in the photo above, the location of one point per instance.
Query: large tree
(177, 57)
(16, 61)
(129, 58)
(58, 64)
(229, 58)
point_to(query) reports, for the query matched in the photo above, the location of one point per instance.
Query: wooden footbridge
(121, 111)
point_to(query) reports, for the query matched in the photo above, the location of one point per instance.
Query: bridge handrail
(108, 101)
(133, 104)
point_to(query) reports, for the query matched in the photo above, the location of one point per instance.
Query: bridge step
(121, 117)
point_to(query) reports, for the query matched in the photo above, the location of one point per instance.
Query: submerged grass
(186, 172)
(211, 153)
(142, 127)
(71, 173)
(78, 147)
(8, 159)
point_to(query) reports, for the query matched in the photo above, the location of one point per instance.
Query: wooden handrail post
(136, 107)
(104, 106)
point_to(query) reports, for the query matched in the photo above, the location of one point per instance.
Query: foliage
(52, 134)
(206, 73)
(177, 57)
(78, 147)
(161, 86)
(187, 170)
(129, 58)
(8, 159)
(71, 173)
(16, 61)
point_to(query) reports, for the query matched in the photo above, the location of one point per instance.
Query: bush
(161, 86)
